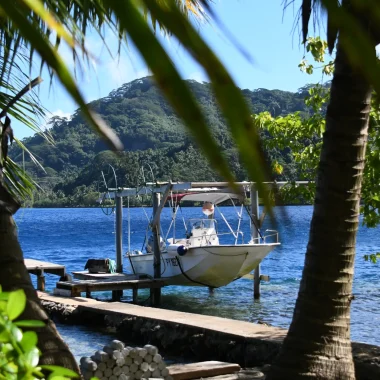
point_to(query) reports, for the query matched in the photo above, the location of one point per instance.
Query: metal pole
(255, 236)
(156, 248)
(119, 234)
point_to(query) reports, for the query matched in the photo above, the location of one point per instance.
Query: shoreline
(147, 206)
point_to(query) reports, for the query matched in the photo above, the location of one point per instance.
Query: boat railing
(269, 236)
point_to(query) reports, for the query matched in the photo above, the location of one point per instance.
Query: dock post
(41, 281)
(119, 234)
(156, 249)
(255, 236)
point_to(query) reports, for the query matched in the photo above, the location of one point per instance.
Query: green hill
(153, 136)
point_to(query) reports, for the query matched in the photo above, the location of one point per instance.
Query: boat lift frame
(165, 188)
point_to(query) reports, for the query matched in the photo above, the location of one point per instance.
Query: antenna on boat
(105, 205)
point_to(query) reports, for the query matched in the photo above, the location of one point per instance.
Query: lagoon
(71, 236)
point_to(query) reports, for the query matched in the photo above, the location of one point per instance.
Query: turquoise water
(71, 236)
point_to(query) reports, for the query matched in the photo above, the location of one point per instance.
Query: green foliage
(372, 257)
(153, 134)
(303, 136)
(19, 355)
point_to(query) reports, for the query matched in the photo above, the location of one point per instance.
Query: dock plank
(32, 264)
(39, 268)
(85, 275)
(114, 284)
(109, 284)
(202, 369)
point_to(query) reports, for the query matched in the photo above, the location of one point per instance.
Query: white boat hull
(212, 266)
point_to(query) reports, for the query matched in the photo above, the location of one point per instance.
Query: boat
(199, 258)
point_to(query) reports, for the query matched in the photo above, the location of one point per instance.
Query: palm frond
(39, 26)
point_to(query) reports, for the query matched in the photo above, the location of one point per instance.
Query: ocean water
(71, 236)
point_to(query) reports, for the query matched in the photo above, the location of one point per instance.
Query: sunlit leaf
(16, 304)
(32, 357)
(29, 340)
(60, 371)
(29, 323)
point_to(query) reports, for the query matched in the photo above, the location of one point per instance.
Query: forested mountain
(154, 139)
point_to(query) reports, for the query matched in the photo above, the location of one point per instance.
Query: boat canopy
(215, 198)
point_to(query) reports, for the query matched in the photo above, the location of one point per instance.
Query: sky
(264, 30)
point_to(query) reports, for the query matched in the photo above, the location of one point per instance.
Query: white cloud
(121, 70)
(60, 113)
(49, 117)
(199, 76)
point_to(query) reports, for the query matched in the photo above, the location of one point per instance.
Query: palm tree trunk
(14, 275)
(318, 342)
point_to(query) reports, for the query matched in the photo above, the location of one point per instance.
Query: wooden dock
(93, 282)
(115, 282)
(39, 268)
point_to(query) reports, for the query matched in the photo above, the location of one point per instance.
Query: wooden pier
(39, 268)
(115, 282)
(93, 282)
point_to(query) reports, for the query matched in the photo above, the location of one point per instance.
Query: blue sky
(261, 27)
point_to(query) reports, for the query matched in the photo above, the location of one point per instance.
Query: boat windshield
(202, 223)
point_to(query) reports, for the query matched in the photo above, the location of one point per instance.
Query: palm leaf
(42, 45)
(170, 82)
(18, 183)
(228, 95)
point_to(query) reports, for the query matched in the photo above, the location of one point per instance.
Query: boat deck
(39, 268)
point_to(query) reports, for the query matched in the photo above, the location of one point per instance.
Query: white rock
(125, 351)
(147, 375)
(144, 366)
(138, 374)
(87, 375)
(157, 358)
(120, 362)
(102, 366)
(153, 366)
(88, 364)
(122, 376)
(109, 350)
(99, 374)
(133, 367)
(128, 360)
(161, 365)
(165, 372)
(138, 360)
(117, 354)
(83, 359)
(117, 345)
(116, 371)
(111, 363)
(133, 353)
(113, 377)
(152, 350)
(142, 352)
(108, 372)
(156, 373)
(101, 356)
(125, 369)
(148, 358)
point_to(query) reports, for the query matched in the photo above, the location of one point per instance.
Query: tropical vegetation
(156, 142)
(318, 341)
